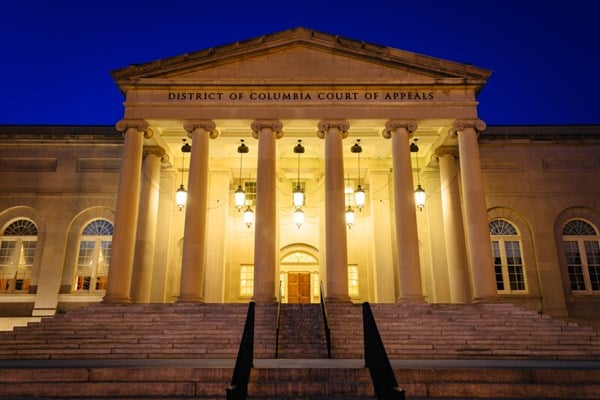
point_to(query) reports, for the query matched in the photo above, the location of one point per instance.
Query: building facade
(511, 213)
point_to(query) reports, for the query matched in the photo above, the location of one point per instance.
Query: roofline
(300, 35)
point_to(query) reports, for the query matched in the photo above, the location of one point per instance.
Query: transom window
(582, 251)
(17, 251)
(94, 256)
(508, 261)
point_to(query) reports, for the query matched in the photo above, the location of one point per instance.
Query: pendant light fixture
(239, 194)
(419, 191)
(298, 194)
(359, 193)
(248, 217)
(181, 193)
(349, 213)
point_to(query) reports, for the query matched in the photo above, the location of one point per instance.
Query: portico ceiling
(169, 134)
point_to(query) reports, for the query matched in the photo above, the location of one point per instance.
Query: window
(250, 190)
(94, 256)
(247, 280)
(353, 281)
(17, 250)
(508, 261)
(582, 251)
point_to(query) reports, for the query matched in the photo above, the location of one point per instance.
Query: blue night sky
(56, 56)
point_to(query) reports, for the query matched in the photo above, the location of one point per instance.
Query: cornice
(302, 37)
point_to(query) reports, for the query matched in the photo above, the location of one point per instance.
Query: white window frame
(581, 241)
(500, 246)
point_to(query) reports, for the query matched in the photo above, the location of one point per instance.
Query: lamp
(181, 193)
(239, 194)
(248, 216)
(298, 217)
(419, 191)
(349, 217)
(359, 193)
(298, 195)
(349, 211)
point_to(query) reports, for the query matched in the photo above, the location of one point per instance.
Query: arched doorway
(299, 274)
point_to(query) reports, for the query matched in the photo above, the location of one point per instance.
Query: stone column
(454, 236)
(407, 241)
(475, 212)
(193, 264)
(126, 212)
(146, 229)
(336, 251)
(265, 232)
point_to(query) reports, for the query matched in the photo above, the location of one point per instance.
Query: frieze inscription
(300, 96)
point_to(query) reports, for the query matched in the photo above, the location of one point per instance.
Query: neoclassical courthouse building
(323, 140)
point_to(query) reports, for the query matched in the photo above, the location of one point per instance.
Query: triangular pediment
(300, 56)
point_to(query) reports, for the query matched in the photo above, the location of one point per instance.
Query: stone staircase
(185, 351)
(466, 331)
(146, 331)
(301, 332)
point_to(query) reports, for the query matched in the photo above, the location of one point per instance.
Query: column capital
(206, 124)
(446, 150)
(327, 124)
(154, 150)
(274, 124)
(139, 124)
(410, 125)
(462, 124)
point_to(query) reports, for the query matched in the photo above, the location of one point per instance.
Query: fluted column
(265, 232)
(193, 264)
(475, 212)
(126, 212)
(407, 241)
(456, 252)
(146, 229)
(336, 251)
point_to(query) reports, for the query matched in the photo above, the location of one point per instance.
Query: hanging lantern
(248, 216)
(180, 197)
(239, 196)
(181, 193)
(298, 217)
(419, 191)
(298, 194)
(420, 197)
(349, 217)
(359, 193)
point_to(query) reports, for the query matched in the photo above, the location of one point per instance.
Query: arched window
(94, 256)
(582, 251)
(508, 261)
(17, 250)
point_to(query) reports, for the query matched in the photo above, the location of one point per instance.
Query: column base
(116, 299)
(264, 299)
(411, 299)
(486, 299)
(190, 299)
(338, 299)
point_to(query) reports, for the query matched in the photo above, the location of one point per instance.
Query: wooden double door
(298, 287)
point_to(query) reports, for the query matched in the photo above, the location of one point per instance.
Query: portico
(301, 84)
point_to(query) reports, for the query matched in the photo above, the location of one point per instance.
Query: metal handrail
(325, 320)
(376, 359)
(278, 324)
(238, 390)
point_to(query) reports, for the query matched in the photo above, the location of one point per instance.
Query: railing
(278, 322)
(238, 390)
(325, 321)
(376, 359)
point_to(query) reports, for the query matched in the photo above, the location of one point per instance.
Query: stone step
(296, 383)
